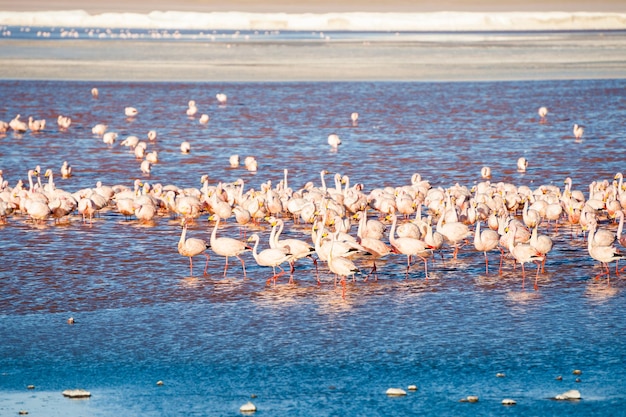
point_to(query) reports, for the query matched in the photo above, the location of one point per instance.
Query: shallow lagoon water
(301, 349)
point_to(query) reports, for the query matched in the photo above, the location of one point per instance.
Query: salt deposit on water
(358, 21)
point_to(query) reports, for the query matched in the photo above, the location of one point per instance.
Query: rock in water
(76, 393)
(572, 394)
(395, 392)
(248, 407)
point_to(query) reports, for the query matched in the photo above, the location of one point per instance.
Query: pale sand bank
(555, 56)
(493, 57)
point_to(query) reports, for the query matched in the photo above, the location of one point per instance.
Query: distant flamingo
(221, 98)
(354, 117)
(333, 140)
(578, 131)
(543, 112)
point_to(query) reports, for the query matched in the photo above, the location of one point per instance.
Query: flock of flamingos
(413, 220)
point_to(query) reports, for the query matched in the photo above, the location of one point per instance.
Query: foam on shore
(360, 21)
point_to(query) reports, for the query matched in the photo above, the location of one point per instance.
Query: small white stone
(248, 407)
(572, 394)
(508, 401)
(412, 388)
(500, 375)
(472, 398)
(395, 392)
(76, 393)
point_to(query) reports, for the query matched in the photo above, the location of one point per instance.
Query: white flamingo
(226, 246)
(333, 140)
(17, 125)
(270, 257)
(578, 131)
(485, 241)
(409, 246)
(191, 247)
(523, 253)
(543, 112)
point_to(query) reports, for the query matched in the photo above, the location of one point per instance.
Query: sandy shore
(494, 57)
(317, 6)
(559, 56)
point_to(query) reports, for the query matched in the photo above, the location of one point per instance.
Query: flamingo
(99, 129)
(603, 254)
(130, 141)
(140, 150)
(578, 131)
(109, 138)
(453, 232)
(17, 125)
(270, 257)
(221, 98)
(130, 111)
(146, 166)
(297, 248)
(522, 164)
(36, 125)
(485, 241)
(233, 160)
(94, 92)
(191, 108)
(354, 117)
(485, 172)
(376, 247)
(152, 135)
(523, 253)
(341, 267)
(226, 246)
(204, 119)
(542, 244)
(66, 170)
(409, 246)
(64, 122)
(543, 112)
(333, 140)
(251, 163)
(191, 247)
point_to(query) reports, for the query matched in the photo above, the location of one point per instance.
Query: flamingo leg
(206, 265)
(317, 273)
(425, 267)
(226, 267)
(190, 267)
(243, 266)
(486, 264)
(536, 287)
(373, 271)
(408, 265)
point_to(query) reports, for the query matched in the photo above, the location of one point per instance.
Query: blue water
(301, 349)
